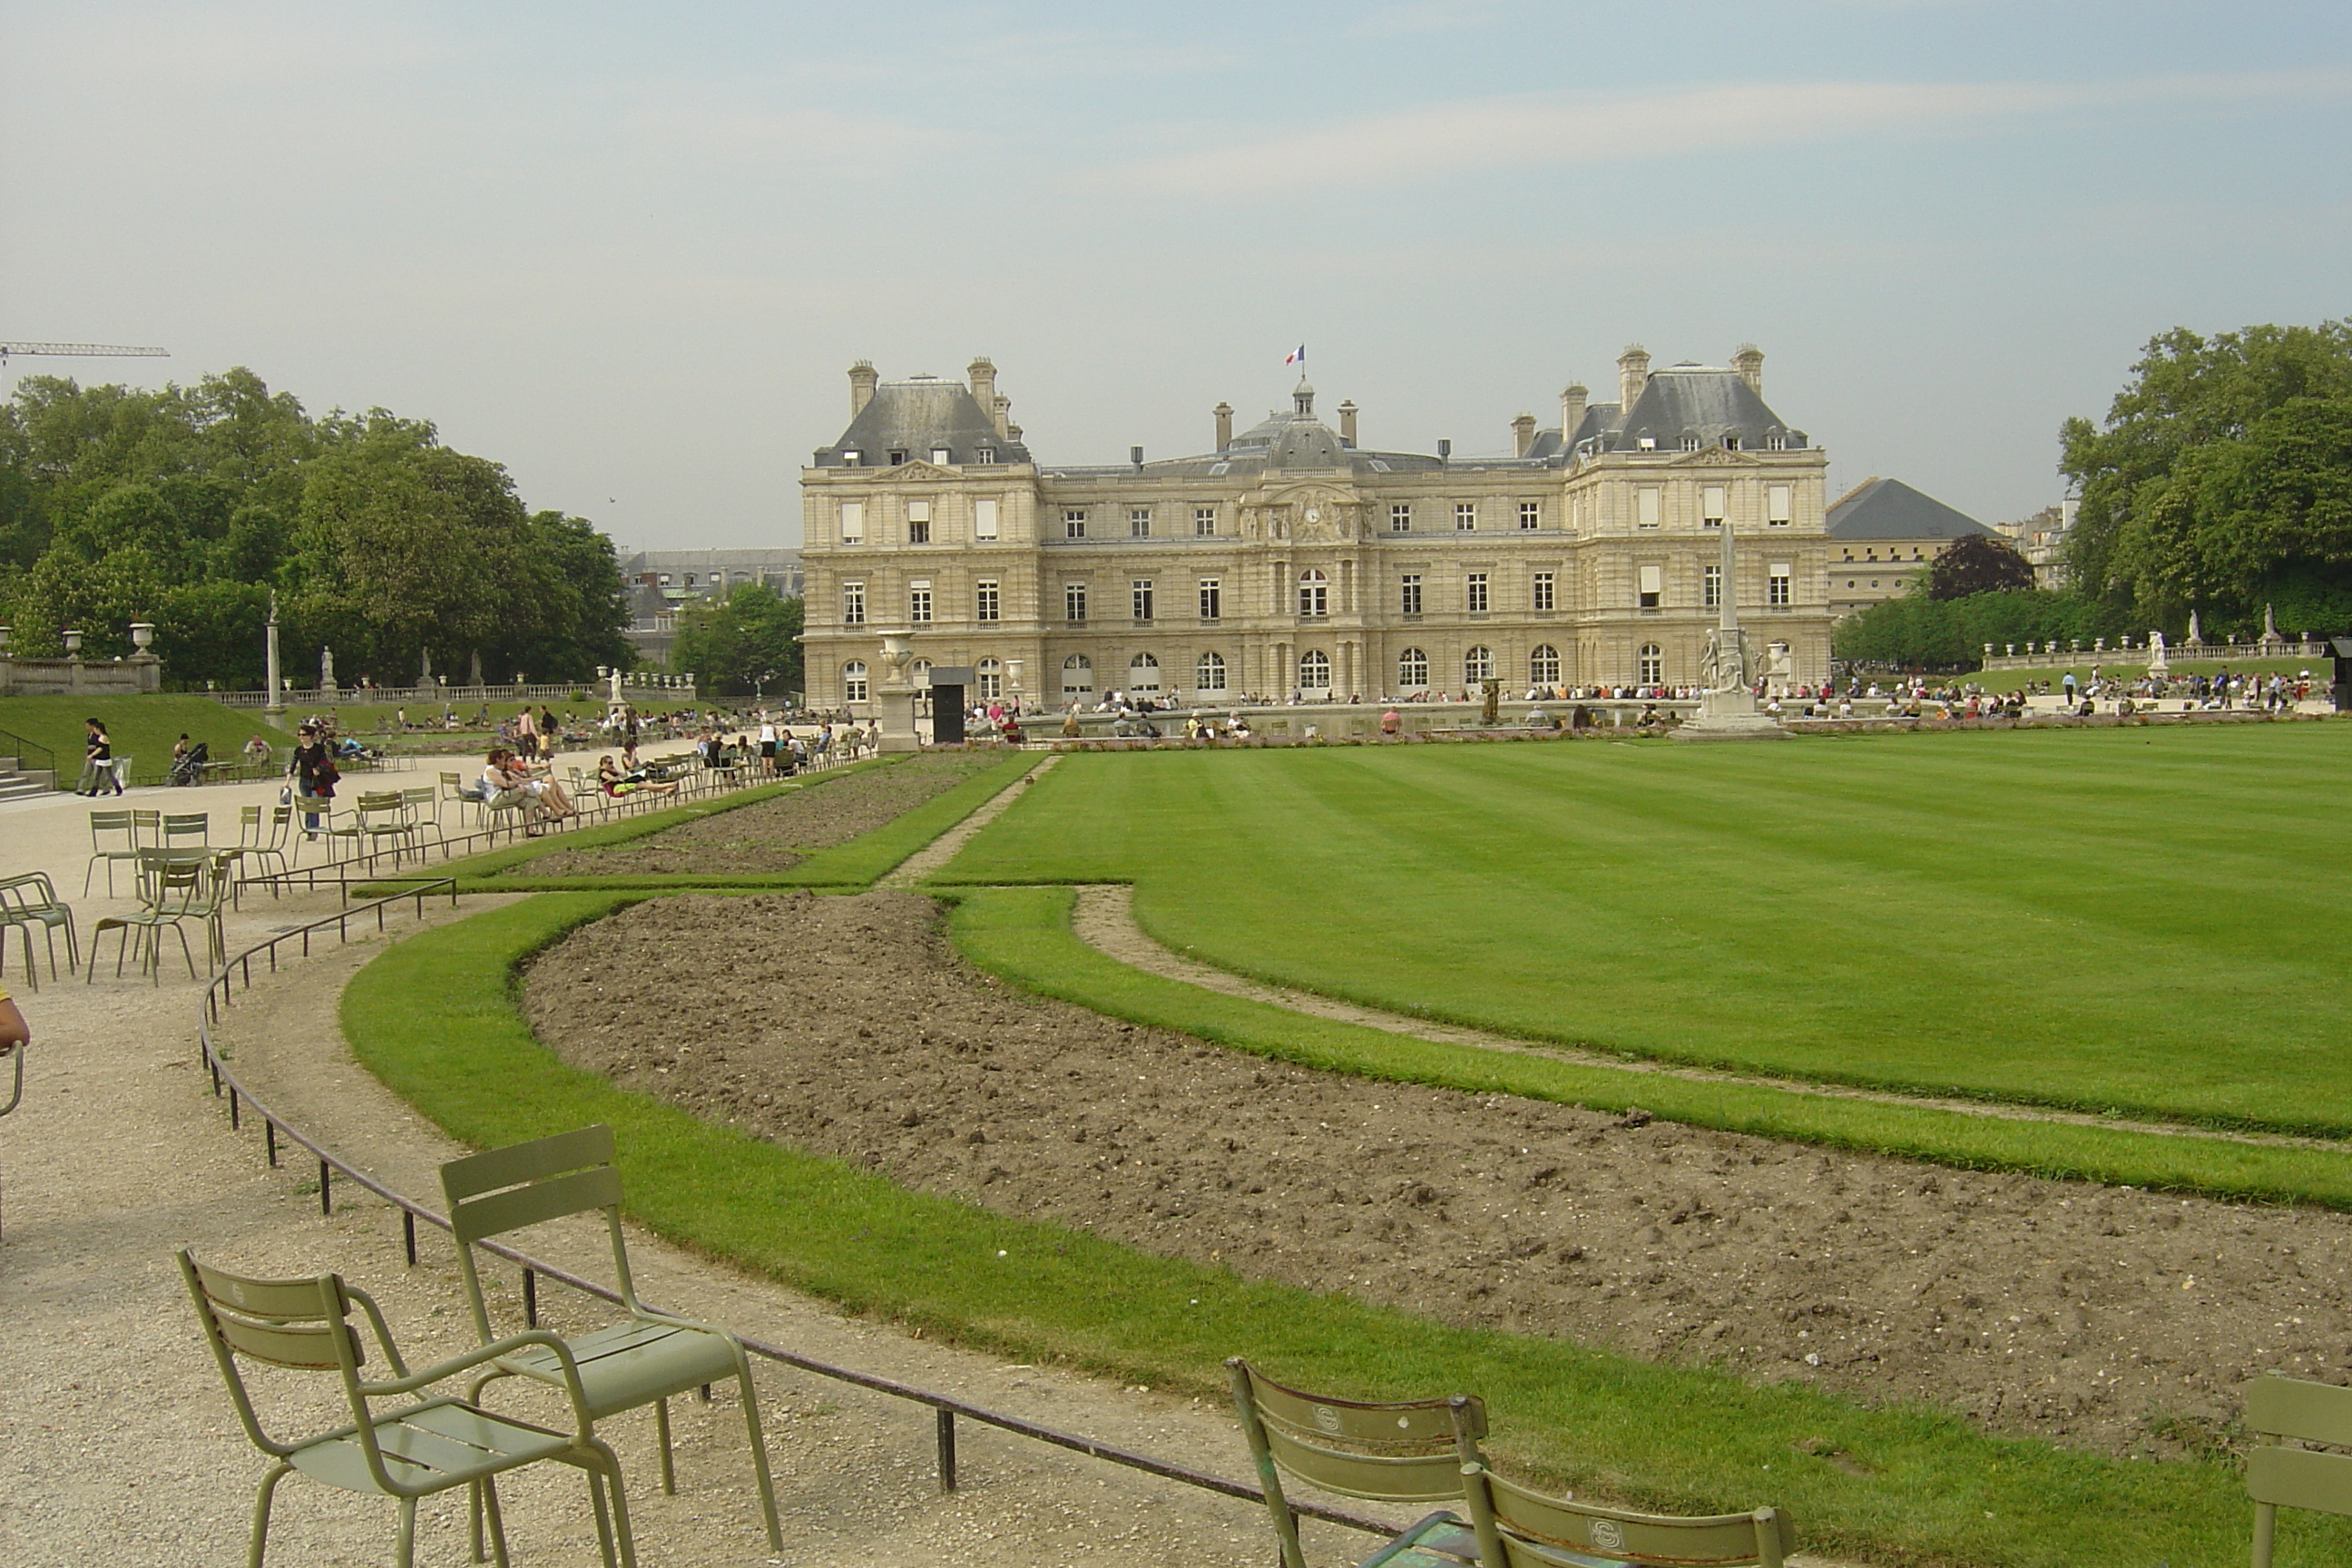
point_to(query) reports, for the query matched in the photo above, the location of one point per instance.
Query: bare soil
(776, 835)
(2106, 1318)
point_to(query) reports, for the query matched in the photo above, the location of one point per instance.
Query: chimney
(1013, 432)
(1444, 449)
(1001, 407)
(1347, 424)
(982, 373)
(1224, 412)
(1572, 399)
(862, 378)
(1135, 456)
(1523, 435)
(1749, 362)
(1632, 375)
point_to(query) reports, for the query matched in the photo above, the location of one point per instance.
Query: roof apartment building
(1289, 558)
(1884, 535)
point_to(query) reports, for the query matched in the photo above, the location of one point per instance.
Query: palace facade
(1289, 559)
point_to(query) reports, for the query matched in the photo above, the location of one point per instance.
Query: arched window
(1143, 673)
(1209, 672)
(1315, 670)
(1478, 665)
(1313, 593)
(1412, 670)
(1543, 665)
(1077, 675)
(1651, 668)
(923, 674)
(990, 672)
(852, 681)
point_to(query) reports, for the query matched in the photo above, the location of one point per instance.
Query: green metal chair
(113, 838)
(1520, 1529)
(1408, 1451)
(416, 1450)
(643, 1359)
(380, 821)
(424, 816)
(30, 900)
(186, 830)
(2282, 1410)
(178, 886)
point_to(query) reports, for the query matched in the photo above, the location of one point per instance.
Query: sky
(631, 250)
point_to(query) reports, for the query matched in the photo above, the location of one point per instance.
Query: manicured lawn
(141, 728)
(2142, 920)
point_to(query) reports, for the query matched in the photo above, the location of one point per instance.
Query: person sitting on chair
(614, 783)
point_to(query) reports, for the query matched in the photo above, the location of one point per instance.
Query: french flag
(1297, 356)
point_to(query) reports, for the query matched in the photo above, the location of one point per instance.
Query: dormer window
(1731, 442)
(985, 455)
(898, 455)
(1648, 444)
(1689, 442)
(941, 456)
(1776, 442)
(852, 457)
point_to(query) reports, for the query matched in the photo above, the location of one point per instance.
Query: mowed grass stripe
(2125, 919)
(435, 1019)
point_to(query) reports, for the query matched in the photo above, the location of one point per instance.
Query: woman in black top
(315, 774)
(96, 763)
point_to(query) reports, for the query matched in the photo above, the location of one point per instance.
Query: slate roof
(918, 417)
(1695, 404)
(1889, 509)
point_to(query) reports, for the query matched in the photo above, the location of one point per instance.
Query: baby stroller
(190, 769)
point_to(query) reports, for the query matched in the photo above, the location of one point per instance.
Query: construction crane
(82, 351)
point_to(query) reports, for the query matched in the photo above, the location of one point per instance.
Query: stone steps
(19, 783)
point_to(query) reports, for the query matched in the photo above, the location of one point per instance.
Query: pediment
(921, 469)
(1717, 457)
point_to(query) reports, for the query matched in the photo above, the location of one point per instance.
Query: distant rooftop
(1889, 509)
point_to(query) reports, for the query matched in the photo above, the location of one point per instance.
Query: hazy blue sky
(630, 250)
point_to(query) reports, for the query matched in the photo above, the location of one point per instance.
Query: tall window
(918, 522)
(1711, 504)
(1408, 593)
(1412, 669)
(1473, 593)
(1649, 668)
(1213, 599)
(990, 672)
(1209, 672)
(1646, 504)
(1077, 675)
(1478, 665)
(1711, 588)
(984, 517)
(1138, 522)
(1143, 673)
(1531, 514)
(1779, 505)
(1205, 522)
(1074, 523)
(1315, 670)
(1139, 592)
(1542, 597)
(853, 603)
(852, 681)
(1543, 665)
(1074, 601)
(987, 601)
(1465, 515)
(852, 523)
(1776, 585)
(1313, 593)
(1649, 586)
(919, 602)
(1401, 517)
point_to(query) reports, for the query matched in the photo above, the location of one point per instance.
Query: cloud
(1496, 134)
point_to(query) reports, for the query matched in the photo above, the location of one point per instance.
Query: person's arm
(14, 1030)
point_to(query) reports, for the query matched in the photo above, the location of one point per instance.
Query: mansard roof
(1681, 402)
(918, 417)
(1889, 509)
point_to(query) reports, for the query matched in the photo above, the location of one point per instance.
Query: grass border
(436, 1018)
(1022, 935)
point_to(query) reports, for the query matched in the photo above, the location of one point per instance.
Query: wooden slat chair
(2281, 1411)
(1408, 1451)
(27, 900)
(113, 838)
(643, 1359)
(1520, 1529)
(415, 1450)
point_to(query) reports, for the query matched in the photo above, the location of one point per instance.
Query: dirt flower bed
(2104, 1318)
(776, 835)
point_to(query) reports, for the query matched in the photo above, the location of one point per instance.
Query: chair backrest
(300, 1325)
(2280, 1410)
(102, 823)
(180, 881)
(419, 800)
(195, 825)
(30, 890)
(1410, 1450)
(1520, 1529)
(527, 1183)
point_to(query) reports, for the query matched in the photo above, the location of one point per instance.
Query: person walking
(314, 773)
(97, 775)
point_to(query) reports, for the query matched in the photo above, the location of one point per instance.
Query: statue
(2156, 643)
(326, 669)
(1491, 711)
(2157, 663)
(1724, 666)
(2270, 626)
(2196, 634)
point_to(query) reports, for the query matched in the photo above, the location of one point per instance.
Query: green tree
(1979, 564)
(749, 640)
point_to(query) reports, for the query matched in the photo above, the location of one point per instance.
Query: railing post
(408, 1228)
(269, 1140)
(234, 1120)
(947, 1431)
(326, 1188)
(530, 1297)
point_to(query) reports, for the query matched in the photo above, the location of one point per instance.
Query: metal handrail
(947, 1408)
(16, 745)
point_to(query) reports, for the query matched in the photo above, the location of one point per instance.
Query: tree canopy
(749, 641)
(1979, 564)
(187, 506)
(2221, 481)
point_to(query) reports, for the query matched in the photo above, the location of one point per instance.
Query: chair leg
(498, 1524)
(661, 1425)
(406, 1555)
(759, 1453)
(261, 1514)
